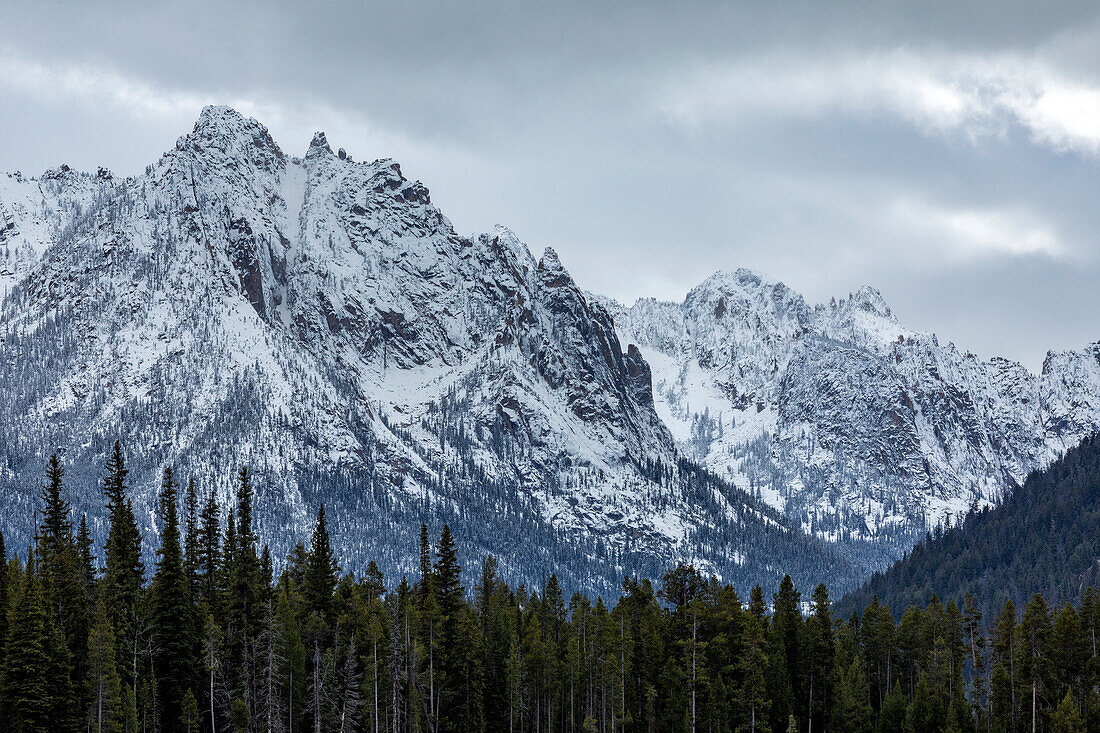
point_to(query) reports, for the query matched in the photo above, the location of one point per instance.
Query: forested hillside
(211, 639)
(1044, 538)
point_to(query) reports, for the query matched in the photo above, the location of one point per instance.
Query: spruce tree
(122, 579)
(208, 553)
(104, 686)
(191, 536)
(818, 656)
(55, 533)
(321, 572)
(4, 588)
(64, 596)
(171, 609)
(28, 703)
(87, 555)
(1067, 718)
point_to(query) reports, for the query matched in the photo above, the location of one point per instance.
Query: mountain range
(320, 320)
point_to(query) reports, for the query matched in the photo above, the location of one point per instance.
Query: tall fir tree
(124, 572)
(321, 572)
(104, 686)
(173, 626)
(64, 596)
(28, 703)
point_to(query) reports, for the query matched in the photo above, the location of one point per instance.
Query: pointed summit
(223, 130)
(318, 146)
(870, 300)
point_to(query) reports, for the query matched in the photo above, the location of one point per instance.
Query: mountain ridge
(861, 429)
(321, 320)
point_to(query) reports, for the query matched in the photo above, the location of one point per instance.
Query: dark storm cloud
(946, 154)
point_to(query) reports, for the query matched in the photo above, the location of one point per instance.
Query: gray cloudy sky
(947, 154)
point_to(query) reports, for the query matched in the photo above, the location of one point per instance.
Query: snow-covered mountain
(857, 428)
(320, 320)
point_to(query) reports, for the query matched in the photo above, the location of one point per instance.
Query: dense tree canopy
(215, 640)
(1043, 538)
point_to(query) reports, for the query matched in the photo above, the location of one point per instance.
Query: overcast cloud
(947, 154)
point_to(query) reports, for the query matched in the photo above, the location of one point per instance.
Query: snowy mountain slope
(320, 320)
(856, 427)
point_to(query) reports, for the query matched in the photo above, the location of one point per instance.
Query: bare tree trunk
(810, 712)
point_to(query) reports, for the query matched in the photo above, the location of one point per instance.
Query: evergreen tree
(1067, 718)
(171, 613)
(243, 598)
(65, 598)
(852, 711)
(28, 703)
(1033, 655)
(818, 657)
(104, 685)
(55, 533)
(321, 572)
(122, 579)
(191, 539)
(208, 554)
(86, 554)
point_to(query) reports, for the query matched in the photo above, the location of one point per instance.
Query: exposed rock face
(322, 321)
(856, 427)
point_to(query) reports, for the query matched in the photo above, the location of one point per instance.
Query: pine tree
(191, 537)
(1033, 654)
(122, 580)
(171, 609)
(425, 559)
(784, 670)
(851, 710)
(4, 596)
(321, 572)
(244, 607)
(1067, 718)
(751, 696)
(64, 596)
(208, 553)
(87, 555)
(448, 595)
(1002, 683)
(28, 703)
(818, 657)
(189, 713)
(56, 530)
(104, 685)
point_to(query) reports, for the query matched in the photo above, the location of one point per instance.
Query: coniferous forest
(213, 639)
(1043, 537)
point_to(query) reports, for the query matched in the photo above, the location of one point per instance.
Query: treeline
(1043, 538)
(216, 641)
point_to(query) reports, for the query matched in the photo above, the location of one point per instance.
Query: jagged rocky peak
(224, 131)
(746, 291)
(319, 146)
(870, 300)
(356, 337)
(849, 422)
